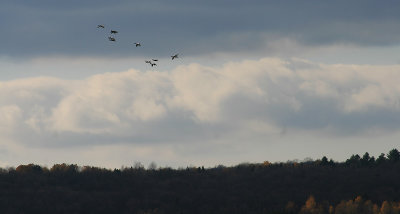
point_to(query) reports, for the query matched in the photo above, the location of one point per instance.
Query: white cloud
(10, 115)
(196, 103)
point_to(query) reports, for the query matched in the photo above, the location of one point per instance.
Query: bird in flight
(155, 60)
(111, 39)
(114, 32)
(137, 44)
(153, 64)
(174, 56)
(100, 26)
(148, 61)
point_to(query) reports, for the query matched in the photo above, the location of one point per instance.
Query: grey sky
(256, 80)
(43, 28)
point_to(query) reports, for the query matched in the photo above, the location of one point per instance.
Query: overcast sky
(254, 81)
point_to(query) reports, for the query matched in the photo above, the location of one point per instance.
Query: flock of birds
(137, 44)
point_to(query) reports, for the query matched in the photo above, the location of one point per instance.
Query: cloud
(49, 28)
(194, 103)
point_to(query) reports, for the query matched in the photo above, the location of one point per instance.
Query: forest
(361, 184)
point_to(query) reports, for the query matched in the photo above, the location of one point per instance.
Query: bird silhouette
(137, 44)
(174, 56)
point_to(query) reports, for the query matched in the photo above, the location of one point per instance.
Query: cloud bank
(248, 100)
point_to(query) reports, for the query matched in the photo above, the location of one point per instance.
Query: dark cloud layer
(37, 28)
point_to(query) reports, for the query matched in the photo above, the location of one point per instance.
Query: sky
(255, 81)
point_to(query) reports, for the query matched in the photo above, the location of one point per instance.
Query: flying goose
(174, 56)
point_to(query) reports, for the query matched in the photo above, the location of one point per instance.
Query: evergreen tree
(393, 155)
(381, 159)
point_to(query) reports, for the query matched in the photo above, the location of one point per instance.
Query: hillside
(245, 188)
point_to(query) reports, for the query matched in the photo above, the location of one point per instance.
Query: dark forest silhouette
(359, 185)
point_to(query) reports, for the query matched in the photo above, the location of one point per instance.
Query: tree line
(360, 183)
(356, 206)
